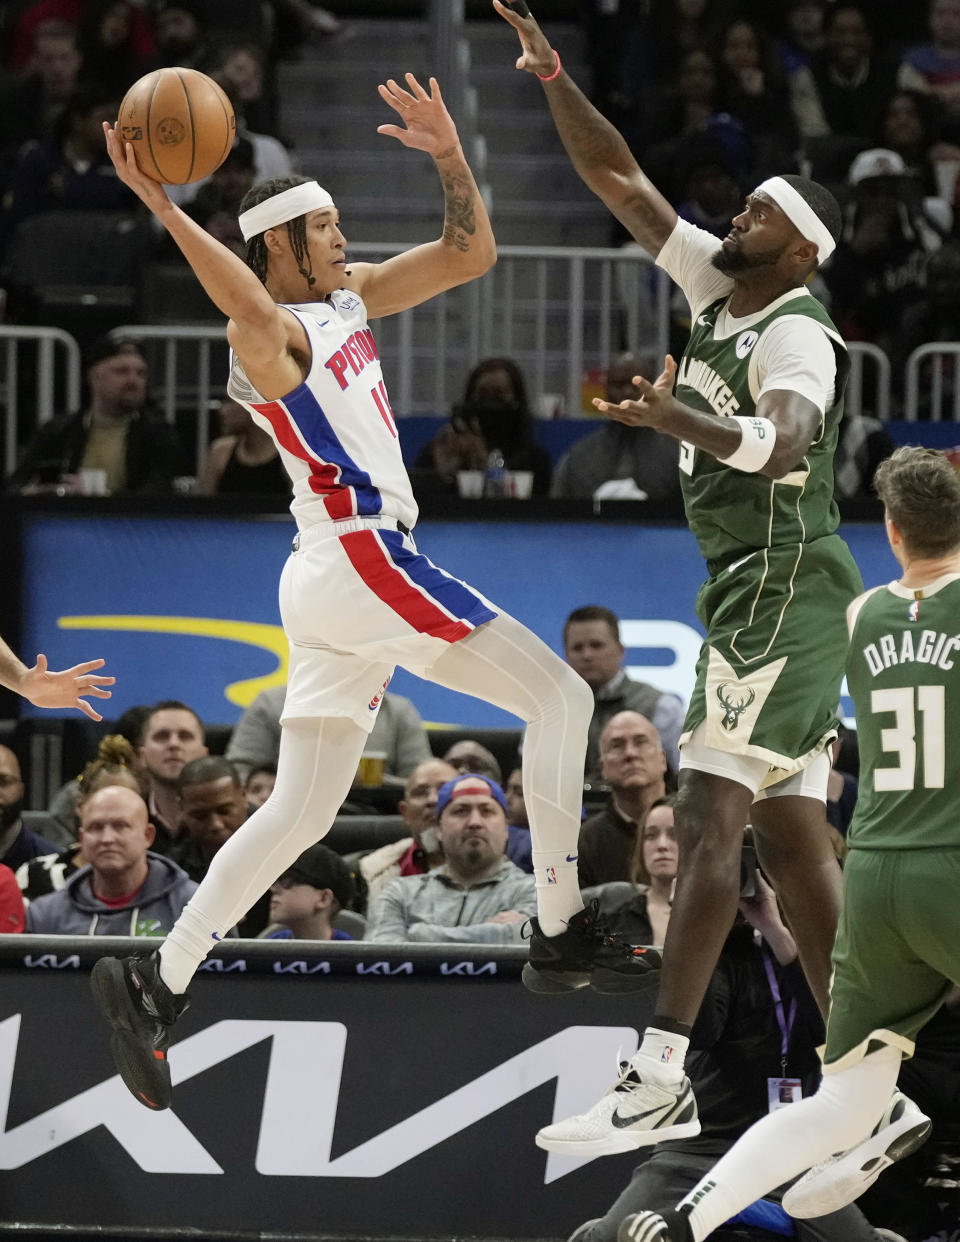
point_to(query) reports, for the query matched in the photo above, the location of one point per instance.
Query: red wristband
(556, 73)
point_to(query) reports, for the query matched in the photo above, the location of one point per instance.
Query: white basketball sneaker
(834, 1183)
(632, 1114)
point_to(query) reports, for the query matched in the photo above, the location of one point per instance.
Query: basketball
(180, 122)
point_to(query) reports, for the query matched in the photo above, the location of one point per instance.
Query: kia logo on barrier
(299, 1111)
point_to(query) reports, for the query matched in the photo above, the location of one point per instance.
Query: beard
(733, 261)
(10, 814)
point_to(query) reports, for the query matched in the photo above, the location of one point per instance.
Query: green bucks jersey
(903, 669)
(733, 513)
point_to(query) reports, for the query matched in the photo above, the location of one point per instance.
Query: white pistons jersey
(335, 432)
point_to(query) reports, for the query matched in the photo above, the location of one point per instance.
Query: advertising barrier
(350, 1090)
(186, 607)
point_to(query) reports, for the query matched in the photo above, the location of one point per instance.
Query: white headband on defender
(799, 212)
(286, 205)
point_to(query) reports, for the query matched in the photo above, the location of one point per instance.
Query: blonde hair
(115, 764)
(638, 871)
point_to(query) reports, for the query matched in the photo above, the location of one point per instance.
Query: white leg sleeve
(793, 1139)
(506, 664)
(315, 769)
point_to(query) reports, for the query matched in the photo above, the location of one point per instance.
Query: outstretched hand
(538, 56)
(652, 405)
(428, 126)
(63, 689)
(124, 161)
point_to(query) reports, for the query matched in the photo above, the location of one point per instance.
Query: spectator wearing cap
(420, 852)
(306, 899)
(879, 268)
(478, 896)
(115, 439)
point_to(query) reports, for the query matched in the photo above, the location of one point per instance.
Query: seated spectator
(755, 88)
(397, 733)
(802, 36)
(640, 910)
(935, 66)
(243, 460)
(683, 104)
(216, 204)
(124, 889)
(115, 764)
(243, 72)
(469, 756)
(478, 895)
(63, 806)
(736, 1056)
(420, 852)
(259, 783)
(12, 914)
(182, 35)
(118, 43)
(70, 171)
(494, 416)
(115, 434)
(910, 126)
(633, 764)
(31, 103)
(878, 270)
(639, 462)
(213, 805)
(18, 843)
(519, 845)
(936, 318)
(306, 899)
(592, 648)
(852, 80)
(172, 735)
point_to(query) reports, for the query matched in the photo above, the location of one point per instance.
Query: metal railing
(560, 313)
(49, 342)
(861, 353)
(939, 386)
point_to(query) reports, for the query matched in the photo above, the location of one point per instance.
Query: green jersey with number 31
(903, 670)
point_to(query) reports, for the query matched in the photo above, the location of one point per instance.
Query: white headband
(286, 205)
(798, 210)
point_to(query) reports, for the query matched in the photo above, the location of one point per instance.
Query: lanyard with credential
(784, 1020)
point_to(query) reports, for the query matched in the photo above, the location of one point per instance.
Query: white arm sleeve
(686, 258)
(795, 353)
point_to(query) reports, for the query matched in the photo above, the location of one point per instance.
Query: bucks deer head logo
(734, 702)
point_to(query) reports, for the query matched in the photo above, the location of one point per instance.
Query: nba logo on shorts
(551, 875)
(375, 701)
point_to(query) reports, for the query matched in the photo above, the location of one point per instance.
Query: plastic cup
(371, 768)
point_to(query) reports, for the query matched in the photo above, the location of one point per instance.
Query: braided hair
(296, 229)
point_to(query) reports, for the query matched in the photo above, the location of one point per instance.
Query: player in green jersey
(756, 404)
(898, 946)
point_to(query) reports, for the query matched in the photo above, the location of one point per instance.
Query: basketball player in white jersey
(356, 597)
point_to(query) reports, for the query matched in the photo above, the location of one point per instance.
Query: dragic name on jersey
(929, 647)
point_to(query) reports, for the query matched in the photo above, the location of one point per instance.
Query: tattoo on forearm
(590, 139)
(459, 220)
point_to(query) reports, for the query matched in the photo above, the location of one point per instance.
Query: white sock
(558, 889)
(794, 1139)
(661, 1056)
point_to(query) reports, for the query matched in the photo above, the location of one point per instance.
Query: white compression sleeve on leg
(793, 1139)
(757, 438)
(317, 761)
(506, 664)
